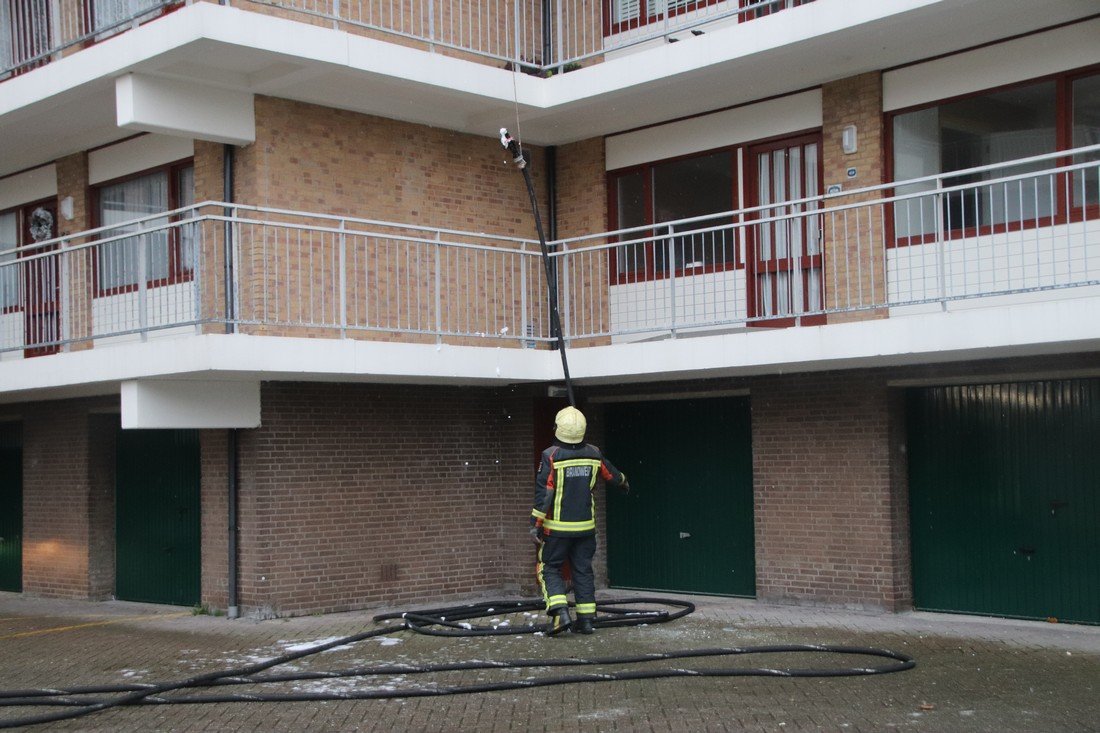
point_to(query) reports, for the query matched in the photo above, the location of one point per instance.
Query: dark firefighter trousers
(553, 553)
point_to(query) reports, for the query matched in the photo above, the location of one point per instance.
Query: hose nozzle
(512, 146)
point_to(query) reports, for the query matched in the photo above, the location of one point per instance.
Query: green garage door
(11, 508)
(687, 524)
(157, 511)
(1004, 484)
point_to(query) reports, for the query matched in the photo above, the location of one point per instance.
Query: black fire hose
(450, 621)
(520, 159)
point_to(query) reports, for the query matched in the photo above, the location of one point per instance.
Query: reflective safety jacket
(564, 503)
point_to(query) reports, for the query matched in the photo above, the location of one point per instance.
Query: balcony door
(41, 280)
(785, 269)
(25, 27)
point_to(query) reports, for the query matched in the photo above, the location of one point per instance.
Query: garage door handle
(1029, 551)
(685, 535)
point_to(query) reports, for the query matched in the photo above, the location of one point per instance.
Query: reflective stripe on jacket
(567, 475)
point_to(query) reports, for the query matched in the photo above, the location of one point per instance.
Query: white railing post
(438, 289)
(558, 52)
(941, 245)
(343, 280)
(670, 263)
(65, 304)
(566, 320)
(431, 25)
(516, 54)
(528, 322)
(198, 271)
(143, 284)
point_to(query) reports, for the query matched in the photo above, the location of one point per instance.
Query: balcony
(537, 38)
(35, 32)
(1013, 233)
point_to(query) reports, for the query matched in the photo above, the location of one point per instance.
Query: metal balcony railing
(1026, 229)
(534, 36)
(34, 32)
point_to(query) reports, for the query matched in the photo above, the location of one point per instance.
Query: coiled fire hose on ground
(450, 621)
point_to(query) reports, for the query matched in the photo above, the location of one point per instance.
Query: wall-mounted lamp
(65, 206)
(848, 140)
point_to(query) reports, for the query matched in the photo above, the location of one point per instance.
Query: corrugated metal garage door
(157, 526)
(11, 507)
(687, 524)
(1004, 483)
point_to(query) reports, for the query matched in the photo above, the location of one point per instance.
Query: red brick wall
(821, 470)
(354, 495)
(64, 540)
(214, 495)
(102, 452)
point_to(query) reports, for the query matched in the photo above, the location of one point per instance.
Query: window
(984, 129)
(24, 32)
(157, 257)
(767, 7)
(9, 271)
(669, 191)
(1085, 95)
(107, 14)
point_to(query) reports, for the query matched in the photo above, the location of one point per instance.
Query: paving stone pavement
(972, 674)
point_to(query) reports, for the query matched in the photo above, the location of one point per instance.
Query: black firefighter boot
(583, 624)
(560, 620)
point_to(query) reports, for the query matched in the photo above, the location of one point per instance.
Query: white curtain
(7, 53)
(106, 13)
(120, 261)
(9, 271)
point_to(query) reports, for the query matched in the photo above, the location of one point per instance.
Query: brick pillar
(76, 266)
(582, 209)
(854, 244)
(215, 517)
(55, 501)
(210, 254)
(102, 452)
(831, 525)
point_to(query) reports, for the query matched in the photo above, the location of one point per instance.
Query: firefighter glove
(536, 535)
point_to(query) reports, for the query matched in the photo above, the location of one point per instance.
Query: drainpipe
(233, 610)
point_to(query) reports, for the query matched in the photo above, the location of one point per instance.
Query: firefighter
(563, 520)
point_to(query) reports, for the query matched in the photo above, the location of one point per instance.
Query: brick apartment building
(274, 332)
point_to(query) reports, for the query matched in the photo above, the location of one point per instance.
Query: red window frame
(805, 262)
(643, 18)
(760, 12)
(176, 272)
(44, 315)
(611, 27)
(649, 271)
(19, 229)
(22, 36)
(88, 12)
(1063, 102)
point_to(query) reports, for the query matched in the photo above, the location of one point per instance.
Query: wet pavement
(972, 674)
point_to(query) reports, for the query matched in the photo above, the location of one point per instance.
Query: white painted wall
(1046, 257)
(1025, 58)
(792, 113)
(136, 155)
(686, 303)
(184, 109)
(160, 404)
(28, 186)
(11, 335)
(164, 306)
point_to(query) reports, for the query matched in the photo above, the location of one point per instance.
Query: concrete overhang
(69, 105)
(1064, 326)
